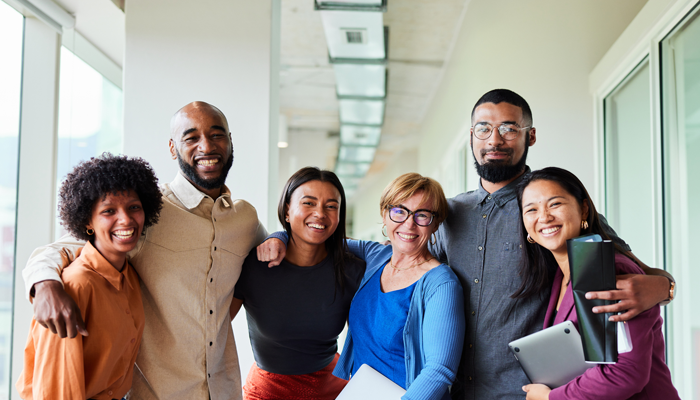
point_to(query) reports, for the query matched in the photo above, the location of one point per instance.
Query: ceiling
(420, 37)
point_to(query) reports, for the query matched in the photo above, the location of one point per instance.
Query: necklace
(391, 262)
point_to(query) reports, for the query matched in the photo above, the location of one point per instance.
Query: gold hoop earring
(90, 231)
(529, 239)
(384, 231)
(433, 239)
(584, 224)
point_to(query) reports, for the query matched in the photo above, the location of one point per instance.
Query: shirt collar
(504, 194)
(189, 195)
(96, 262)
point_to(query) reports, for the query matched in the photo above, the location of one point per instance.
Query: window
(680, 66)
(628, 162)
(11, 32)
(89, 117)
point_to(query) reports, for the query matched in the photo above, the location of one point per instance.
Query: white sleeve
(45, 262)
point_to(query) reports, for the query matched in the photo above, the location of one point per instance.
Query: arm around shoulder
(46, 262)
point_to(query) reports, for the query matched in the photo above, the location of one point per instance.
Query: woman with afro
(107, 201)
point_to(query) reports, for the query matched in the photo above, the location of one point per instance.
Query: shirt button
(489, 199)
(211, 280)
(483, 216)
(473, 312)
(209, 375)
(521, 246)
(128, 312)
(210, 343)
(481, 248)
(470, 345)
(211, 311)
(109, 393)
(476, 281)
(132, 341)
(214, 248)
(470, 378)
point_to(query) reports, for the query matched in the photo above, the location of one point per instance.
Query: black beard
(496, 172)
(207, 184)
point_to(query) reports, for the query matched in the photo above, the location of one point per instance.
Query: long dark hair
(540, 261)
(335, 245)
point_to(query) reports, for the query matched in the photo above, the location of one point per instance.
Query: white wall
(221, 52)
(542, 49)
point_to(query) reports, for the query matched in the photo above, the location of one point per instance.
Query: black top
(295, 314)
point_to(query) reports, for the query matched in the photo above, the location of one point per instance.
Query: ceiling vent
(354, 35)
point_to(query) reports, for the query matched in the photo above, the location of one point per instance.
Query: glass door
(680, 56)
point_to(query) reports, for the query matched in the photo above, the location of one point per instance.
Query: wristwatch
(671, 292)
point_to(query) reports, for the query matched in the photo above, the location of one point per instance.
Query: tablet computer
(368, 384)
(553, 356)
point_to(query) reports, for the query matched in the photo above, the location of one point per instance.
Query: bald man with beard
(188, 263)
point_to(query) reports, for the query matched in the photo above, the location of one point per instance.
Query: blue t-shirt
(379, 319)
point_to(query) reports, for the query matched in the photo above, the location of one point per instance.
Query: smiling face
(117, 220)
(407, 237)
(498, 160)
(201, 143)
(552, 215)
(313, 213)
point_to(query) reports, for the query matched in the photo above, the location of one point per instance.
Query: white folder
(368, 384)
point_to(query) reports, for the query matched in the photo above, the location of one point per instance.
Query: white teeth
(404, 236)
(550, 230)
(317, 226)
(124, 234)
(207, 163)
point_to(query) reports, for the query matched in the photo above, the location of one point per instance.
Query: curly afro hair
(93, 179)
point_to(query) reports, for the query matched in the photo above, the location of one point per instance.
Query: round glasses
(400, 214)
(508, 132)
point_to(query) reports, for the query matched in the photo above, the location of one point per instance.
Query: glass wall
(89, 116)
(680, 56)
(628, 162)
(11, 30)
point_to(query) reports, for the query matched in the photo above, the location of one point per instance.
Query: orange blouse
(101, 365)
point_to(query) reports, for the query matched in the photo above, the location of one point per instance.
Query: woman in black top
(297, 310)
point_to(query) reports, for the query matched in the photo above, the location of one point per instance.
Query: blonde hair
(406, 185)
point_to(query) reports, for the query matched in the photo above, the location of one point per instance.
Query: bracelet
(671, 291)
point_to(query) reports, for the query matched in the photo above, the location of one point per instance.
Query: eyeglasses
(400, 214)
(508, 132)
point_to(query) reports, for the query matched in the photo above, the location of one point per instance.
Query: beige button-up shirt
(189, 264)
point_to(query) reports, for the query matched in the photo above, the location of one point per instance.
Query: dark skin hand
(637, 293)
(56, 311)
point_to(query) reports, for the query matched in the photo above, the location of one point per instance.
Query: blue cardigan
(434, 332)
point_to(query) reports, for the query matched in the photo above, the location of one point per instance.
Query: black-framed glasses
(400, 214)
(508, 132)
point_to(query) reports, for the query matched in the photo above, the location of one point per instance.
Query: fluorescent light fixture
(358, 135)
(365, 112)
(283, 132)
(350, 2)
(351, 5)
(360, 80)
(348, 169)
(342, 26)
(350, 184)
(356, 154)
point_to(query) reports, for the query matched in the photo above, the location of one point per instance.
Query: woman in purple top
(556, 207)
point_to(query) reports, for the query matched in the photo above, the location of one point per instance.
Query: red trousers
(319, 385)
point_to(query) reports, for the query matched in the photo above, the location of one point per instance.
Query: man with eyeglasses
(482, 240)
